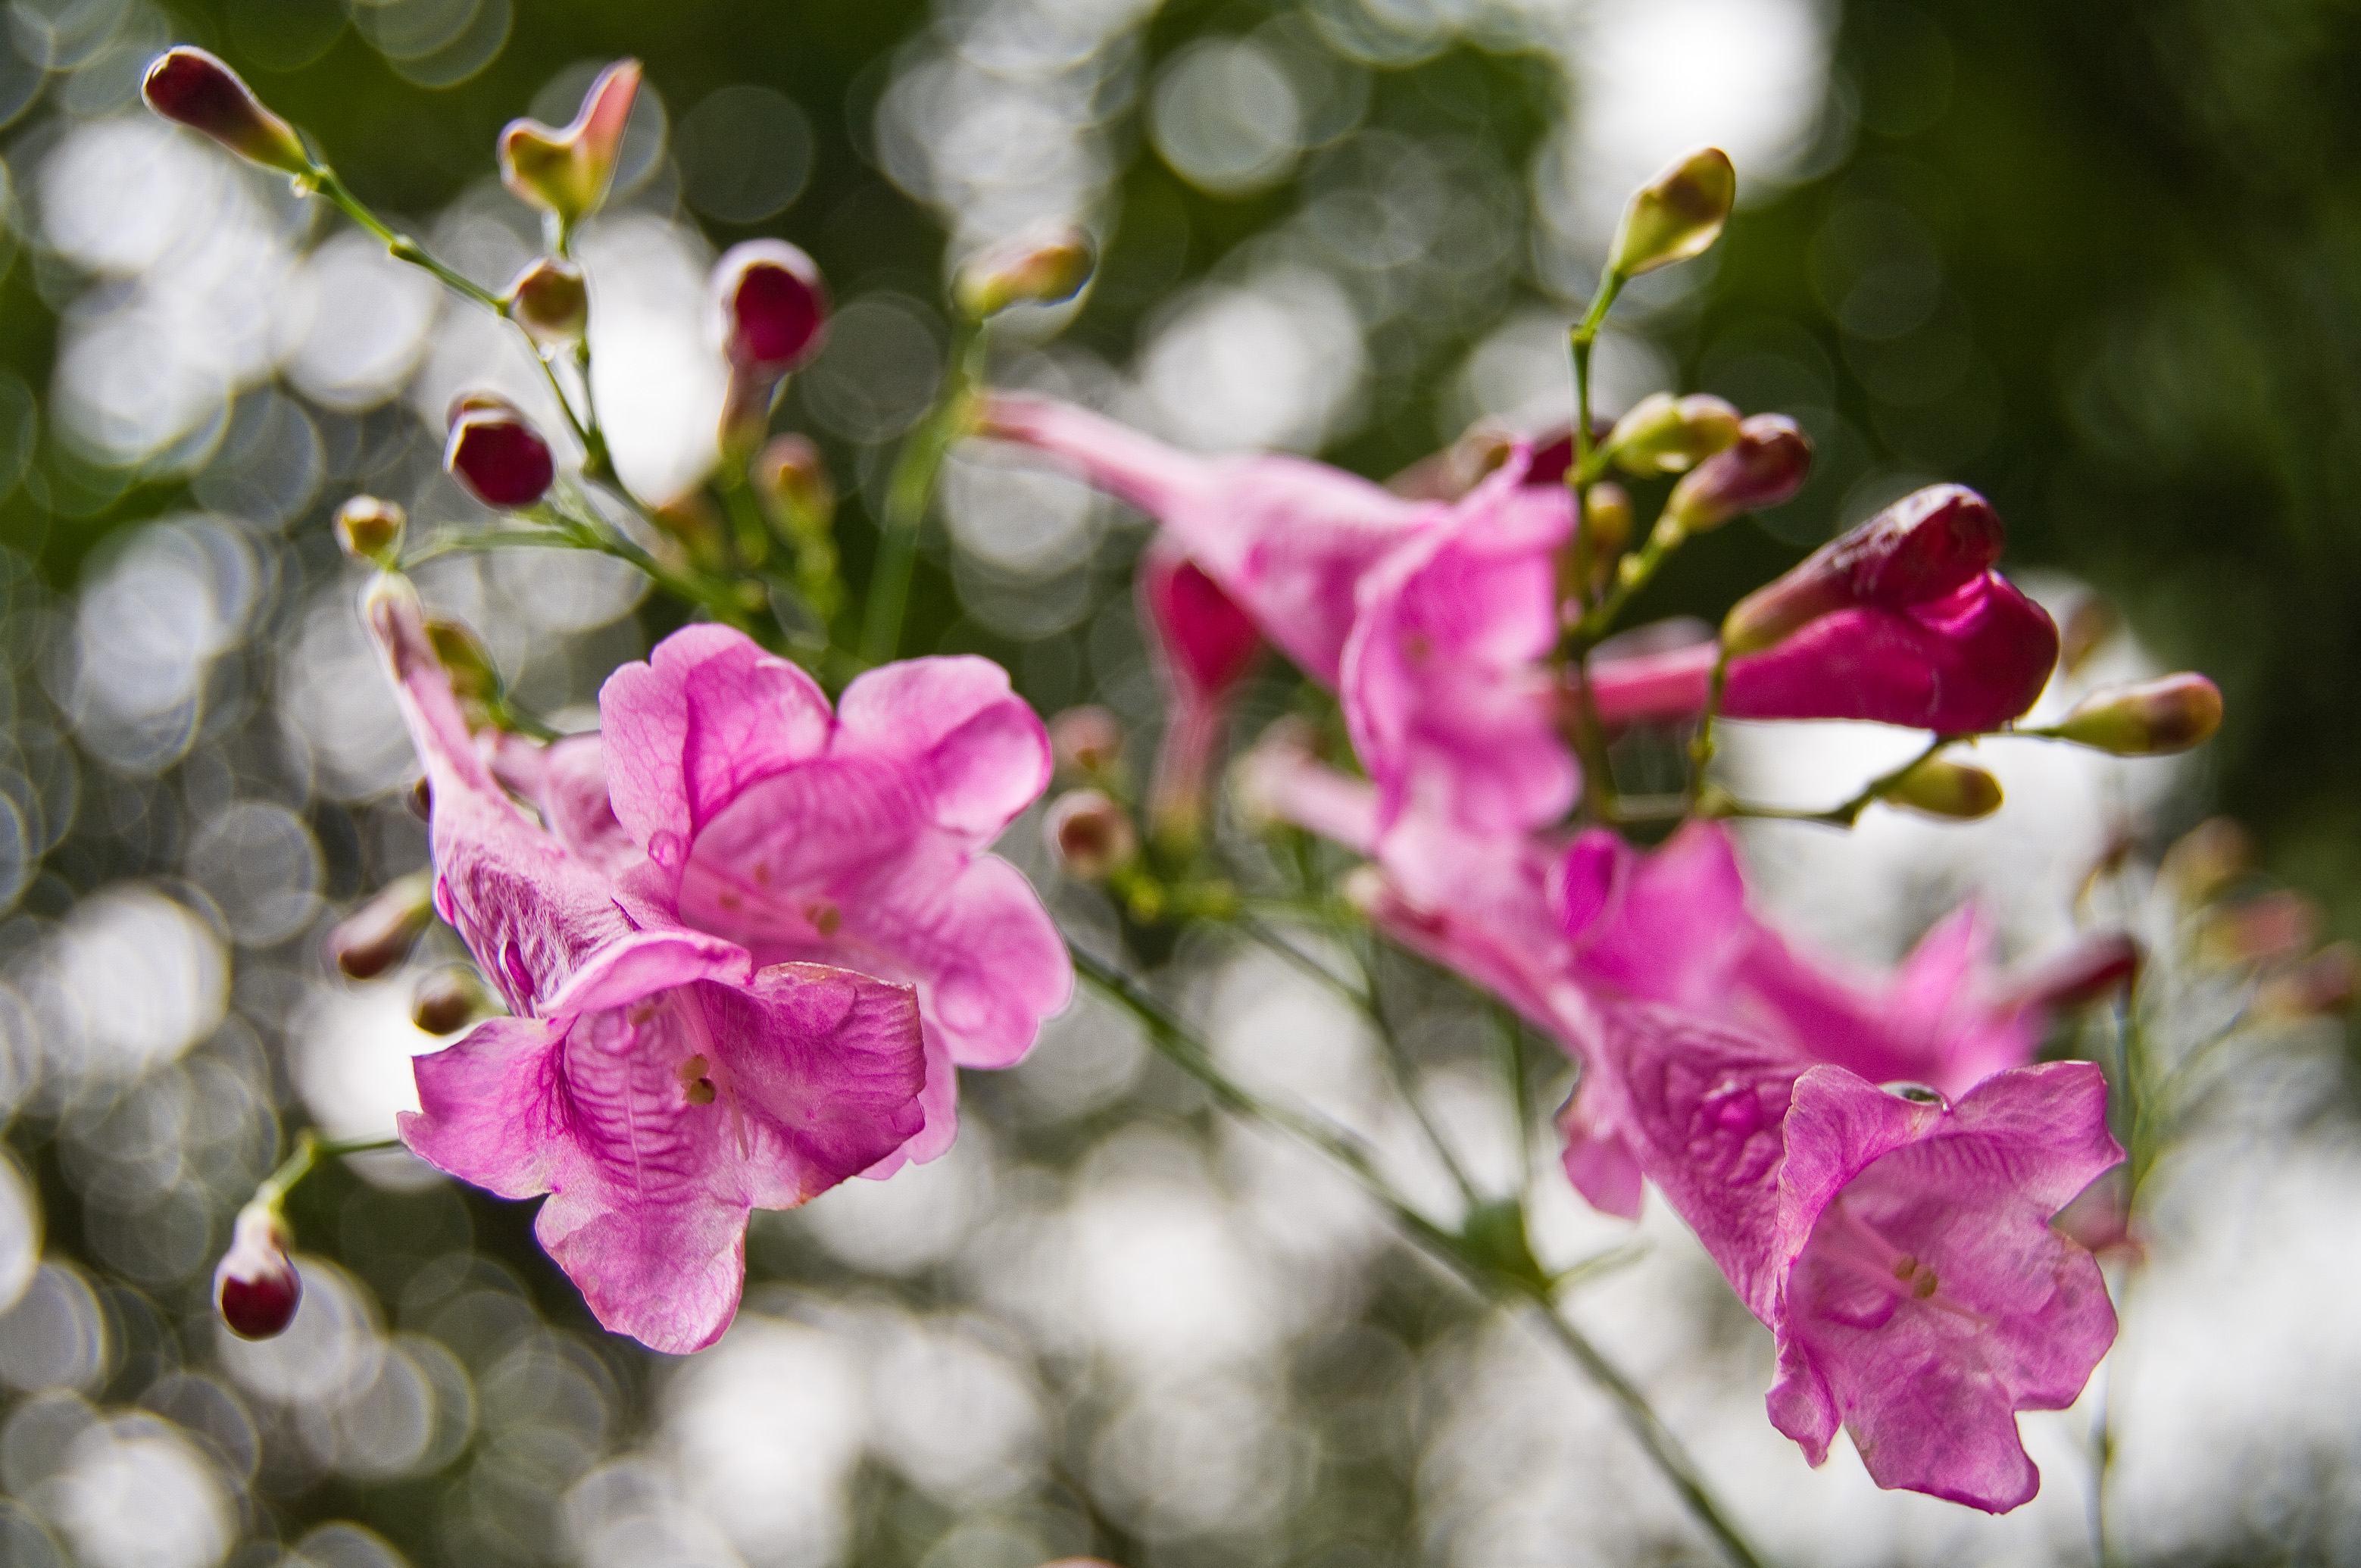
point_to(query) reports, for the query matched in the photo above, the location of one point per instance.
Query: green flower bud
(370, 530)
(474, 678)
(1044, 265)
(566, 172)
(1958, 792)
(551, 299)
(1663, 434)
(1676, 215)
(1766, 465)
(2148, 718)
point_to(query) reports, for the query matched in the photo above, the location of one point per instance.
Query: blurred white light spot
(1226, 117)
(1271, 365)
(1018, 517)
(53, 1337)
(765, 1429)
(331, 691)
(133, 979)
(354, 322)
(1522, 374)
(342, 1545)
(117, 195)
(20, 1237)
(959, 1421)
(351, 1050)
(568, 590)
(659, 373)
(915, 1220)
(879, 370)
(258, 864)
(330, 1353)
(745, 153)
(134, 1494)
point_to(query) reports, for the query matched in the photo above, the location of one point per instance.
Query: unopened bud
(1088, 835)
(466, 659)
(551, 299)
(1606, 531)
(1958, 792)
(255, 1287)
(2094, 969)
(2207, 858)
(196, 89)
(370, 530)
(791, 479)
(774, 306)
(1766, 465)
(2089, 628)
(2269, 929)
(1924, 545)
(2148, 718)
(380, 933)
(1676, 215)
(1087, 740)
(448, 1001)
(1044, 265)
(566, 172)
(496, 454)
(1664, 435)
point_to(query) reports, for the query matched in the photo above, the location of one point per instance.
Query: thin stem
(1173, 1040)
(1635, 573)
(911, 487)
(1510, 1030)
(1598, 796)
(310, 1149)
(1577, 472)
(1404, 1075)
(400, 247)
(1701, 748)
(1716, 803)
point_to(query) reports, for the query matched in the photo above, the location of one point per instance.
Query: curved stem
(911, 487)
(1173, 1040)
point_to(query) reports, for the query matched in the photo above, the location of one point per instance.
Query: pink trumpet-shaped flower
(1286, 539)
(854, 838)
(1899, 1248)
(1205, 646)
(652, 1080)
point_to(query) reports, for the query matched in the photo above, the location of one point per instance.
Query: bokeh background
(2097, 259)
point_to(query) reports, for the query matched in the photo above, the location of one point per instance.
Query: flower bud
(792, 481)
(448, 1001)
(2271, 928)
(2207, 858)
(1766, 465)
(1047, 265)
(1958, 792)
(1676, 215)
(496, 454)
(2147, 718)
(1088, 740)
(2322, 985)
(196, 89)
(380, 933)
(774, 306)
(551, 299)
(370, 530)
(2091, 624)
(1924, 545)
(1663, 434)
(2093, 969)
(1607, 529)
(463, 655)
(1088, 835)
(255, 1287)
(566, 172)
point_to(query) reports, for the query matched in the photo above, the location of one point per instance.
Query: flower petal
(973, 748)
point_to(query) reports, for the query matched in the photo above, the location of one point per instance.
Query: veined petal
(492, 1111)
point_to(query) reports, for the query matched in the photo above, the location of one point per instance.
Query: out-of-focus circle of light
(330, 688)
(879, 370)
(20, 1237)
(1520, 374)
(330, 1353)
(135, 1493)
(20, 80)
(20, 857)
(1271, 365)
(60, 35)
(765, 1429)
(353, 322)
(139, 979)
(53, 1337)
(1226, 117)
(659, 373)
(268, 464)
(161, 604)
(258, 864)
(286, 35)
(959, 1421)
(918, 1218)
(1017, 516)
(745, 153)
(352, 1050)
(24, 1542)
(19, 425)
(342, 1545)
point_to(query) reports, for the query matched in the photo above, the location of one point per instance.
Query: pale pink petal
(684, 733)
(977, 753)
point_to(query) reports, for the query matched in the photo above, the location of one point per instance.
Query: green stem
(1511, 1032)
(1598, 796)
(1173, 1040)
(1715, 802)
(909, 490)
(1635, 573)
(1404, 1075)
(310, 1149)
(1701, 748)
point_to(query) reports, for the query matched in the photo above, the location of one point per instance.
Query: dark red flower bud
(773, 305)
(380, 933)
(1766, 465)
(1924, 545)
(551, 299)
(494, 451)
(1088, 835)
(255, 1287)
(448, 1001)
(196, 89)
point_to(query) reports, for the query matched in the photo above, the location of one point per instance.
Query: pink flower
(1898, 1248)
(655, 1082)
(855, 838)
(1445, 684)
(1205, 646)
(1286, 539)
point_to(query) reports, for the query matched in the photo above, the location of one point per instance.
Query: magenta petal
(489, 1113)
(974, 748)
(709, 713)
(567, 781)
